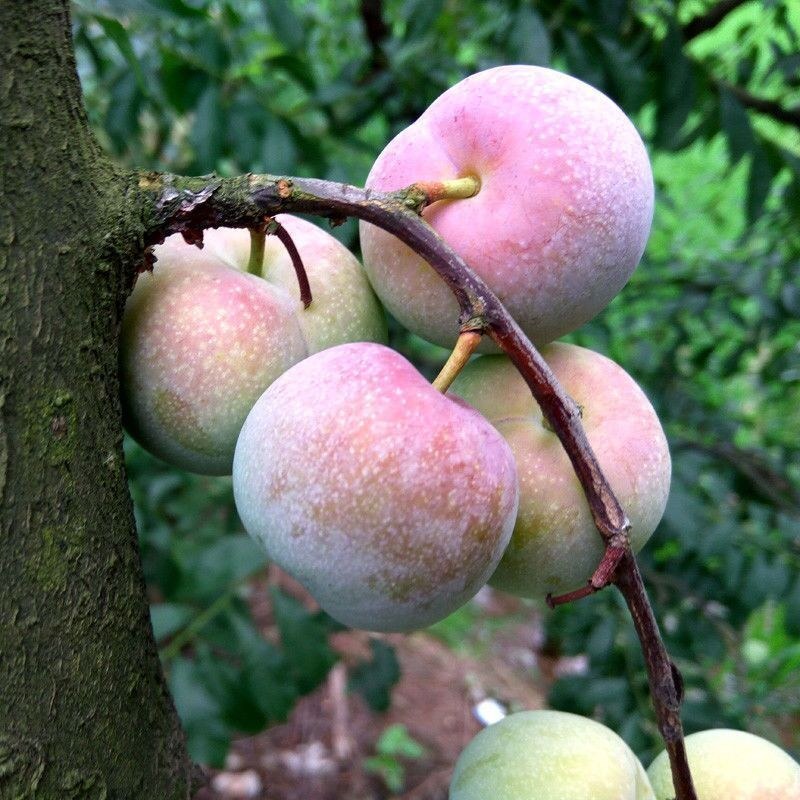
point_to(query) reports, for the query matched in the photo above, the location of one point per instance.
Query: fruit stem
(255, 264)
(302, 277)
(454, 189)
(466, 345)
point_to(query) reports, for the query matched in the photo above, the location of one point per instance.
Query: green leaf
(122, 117)
(181, 82)
(168, 618)
(736, 124)
(285, 23)
(208, 737)
(278, 150)
(208, 131)
(177, 8)
(265, 671)
(421, 16)
(305, 640)
(389, 769)
(529, 40)
(115, 31)
(396, 741)
(759, 182)
(216, 568)
(374, 679)
(675, 94)
(228, 684)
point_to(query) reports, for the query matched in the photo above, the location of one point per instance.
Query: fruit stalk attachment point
(466, 345)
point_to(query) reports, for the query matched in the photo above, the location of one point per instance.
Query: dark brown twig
(770, 108)
(179, 204)
(276, 229)
(376, 30)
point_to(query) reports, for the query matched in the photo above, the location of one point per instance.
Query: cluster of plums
(551, 755)
(391, 502)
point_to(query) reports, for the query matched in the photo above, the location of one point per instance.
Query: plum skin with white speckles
(202, 338)
(390, 502)
(731, 765)
(556, 547)
(548, 755)
(562, 215)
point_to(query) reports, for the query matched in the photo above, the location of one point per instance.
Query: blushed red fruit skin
(563, 212)
(202, 339)
(391, 503)
(200, 343)
(555, 546)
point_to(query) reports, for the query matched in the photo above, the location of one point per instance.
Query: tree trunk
(84, 709)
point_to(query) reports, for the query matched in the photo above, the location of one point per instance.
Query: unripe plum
(202, 338)
(548, 755)
(555, 546)
(390, 502)
(560, 220)
(731, 765)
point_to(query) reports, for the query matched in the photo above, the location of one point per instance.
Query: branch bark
(186, 205)
(85, 710)
(763, 105)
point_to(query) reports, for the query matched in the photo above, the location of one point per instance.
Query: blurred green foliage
(709, 324)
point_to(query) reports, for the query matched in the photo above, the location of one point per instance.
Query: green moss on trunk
(84, 711)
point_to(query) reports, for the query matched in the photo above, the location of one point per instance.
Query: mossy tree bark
(84, 711)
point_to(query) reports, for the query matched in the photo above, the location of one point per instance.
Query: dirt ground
(319, 753)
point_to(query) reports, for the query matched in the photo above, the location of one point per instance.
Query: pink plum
(561, 217)
(202, 338)
(390, 502)
(555, 546)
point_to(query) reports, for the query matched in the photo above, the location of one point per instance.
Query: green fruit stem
(255, 264)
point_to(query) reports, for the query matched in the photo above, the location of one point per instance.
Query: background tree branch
(708, 21)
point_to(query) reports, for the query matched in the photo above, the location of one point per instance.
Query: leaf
(736, 124)
(227, 683)
(305, 640)
(278, 150)
(168, 618)
(181, 82)
(265, 671)
(122, 117)
(675, 93)
(396, 741)
(216, 568)
(390, 770)
(374, 679)
(529, 40)
(285, 23)
(421, 16)
(207, 134)
(177, 8)
(115, 31)
(207, 736)
(759, 181)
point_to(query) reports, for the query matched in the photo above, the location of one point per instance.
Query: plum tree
(732, 765)
(548, 755)
(390, 502)
(562, 210)
(202, 338)
(555, 546)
